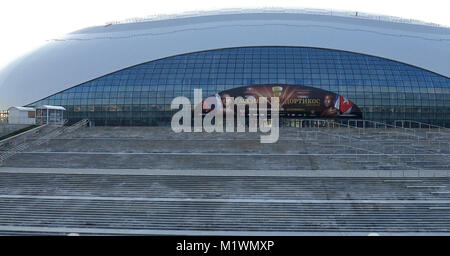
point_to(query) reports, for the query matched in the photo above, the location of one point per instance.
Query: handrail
(361, 125)
(53, 133)
(21, 134)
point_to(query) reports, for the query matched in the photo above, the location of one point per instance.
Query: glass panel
(367, 80)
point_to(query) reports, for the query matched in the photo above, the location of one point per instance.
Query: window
(366, 79)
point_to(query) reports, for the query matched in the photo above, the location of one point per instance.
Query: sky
(27, 24)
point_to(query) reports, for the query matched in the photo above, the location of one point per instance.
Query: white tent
(21, 115)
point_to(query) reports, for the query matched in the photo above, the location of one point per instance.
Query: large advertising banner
(295, 101)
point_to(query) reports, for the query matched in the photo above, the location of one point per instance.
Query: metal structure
(325, 12)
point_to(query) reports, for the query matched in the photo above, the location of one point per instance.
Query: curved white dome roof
(92, 52)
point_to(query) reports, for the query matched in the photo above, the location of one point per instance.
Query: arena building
(320, 64)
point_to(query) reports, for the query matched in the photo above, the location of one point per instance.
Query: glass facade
(385, 90)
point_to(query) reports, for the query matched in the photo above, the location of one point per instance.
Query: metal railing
(38, 137)
(325, 12)
(375, 144)
(420, 125)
